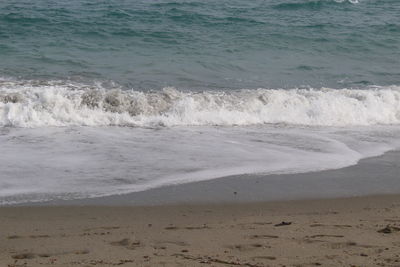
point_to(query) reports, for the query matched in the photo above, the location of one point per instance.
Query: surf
(33, 104)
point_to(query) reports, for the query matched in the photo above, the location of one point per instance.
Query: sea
(109, 97)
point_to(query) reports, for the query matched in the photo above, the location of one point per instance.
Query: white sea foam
(60, 104)
(350, 1)
(38, 162)
(79, 162)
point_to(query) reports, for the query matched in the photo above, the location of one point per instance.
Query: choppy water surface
(110, 97)
(230, 44)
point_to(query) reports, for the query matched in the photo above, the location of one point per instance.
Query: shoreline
(371, 176)
(343, 217)
(357, 231)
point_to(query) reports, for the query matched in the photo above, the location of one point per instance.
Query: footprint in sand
(31, 236)
(23, 256)
(322, 235)
(204, 226)
(347, 245)
(171, 227)
(124, 242)
(29, 255)
(177, 243)
(127, 243)
(247, 247)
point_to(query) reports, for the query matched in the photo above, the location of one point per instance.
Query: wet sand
(371, 176)
(361, 231)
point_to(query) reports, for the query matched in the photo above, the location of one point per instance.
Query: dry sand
(339, 232)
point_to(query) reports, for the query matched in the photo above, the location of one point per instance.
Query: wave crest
(58, 104)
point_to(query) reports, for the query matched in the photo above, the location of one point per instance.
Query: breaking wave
(34, 104)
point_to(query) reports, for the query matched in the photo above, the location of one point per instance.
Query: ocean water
(203, 44)
(111, 97)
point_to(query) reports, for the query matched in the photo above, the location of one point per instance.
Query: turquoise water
(224, 44)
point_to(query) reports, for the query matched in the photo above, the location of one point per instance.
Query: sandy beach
(362, 231)
(187, 133)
